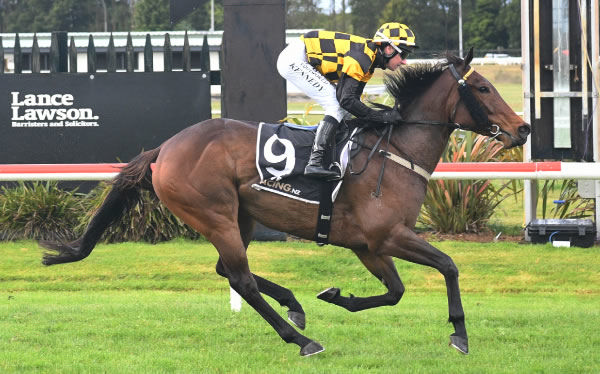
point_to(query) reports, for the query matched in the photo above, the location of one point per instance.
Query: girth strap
(325, 214)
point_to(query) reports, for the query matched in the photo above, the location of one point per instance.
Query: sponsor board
(104, 117)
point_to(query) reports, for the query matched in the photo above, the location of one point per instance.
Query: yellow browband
(468, 73)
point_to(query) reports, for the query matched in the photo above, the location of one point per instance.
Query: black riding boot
(323, 142)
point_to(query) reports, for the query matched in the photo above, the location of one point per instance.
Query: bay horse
(204, 176)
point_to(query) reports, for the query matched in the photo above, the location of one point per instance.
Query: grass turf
(140, 308)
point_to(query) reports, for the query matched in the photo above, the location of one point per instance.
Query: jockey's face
(395, 61)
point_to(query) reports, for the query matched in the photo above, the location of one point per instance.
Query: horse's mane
(407, 83)
(410, 81)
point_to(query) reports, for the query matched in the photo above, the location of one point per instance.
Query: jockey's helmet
(397, 35)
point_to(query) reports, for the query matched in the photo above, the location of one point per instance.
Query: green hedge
(42, 211)
(458, 206)
(39, 211)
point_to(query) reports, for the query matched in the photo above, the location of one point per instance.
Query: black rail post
(35, 55)
(111, 55)
(59, 52)
(187, 54)
(148, 62)
(205, 60)
(167, 54)
(18, 55)
(91, 56)
(72, 56)
(129, 54)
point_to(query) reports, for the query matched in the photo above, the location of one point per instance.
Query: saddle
(282, 153)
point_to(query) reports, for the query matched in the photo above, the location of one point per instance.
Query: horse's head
(480, 108)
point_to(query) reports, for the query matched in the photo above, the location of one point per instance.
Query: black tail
(124, 195)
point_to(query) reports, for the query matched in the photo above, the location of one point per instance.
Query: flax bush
(304, 119)
(458, 206)
(43, 211)
(39, 211)
(573, 205)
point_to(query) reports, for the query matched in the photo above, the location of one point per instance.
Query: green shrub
(149, 221)
(457, 206)
(573, 207)
(304, 119)
(39, 211)
(42, 211)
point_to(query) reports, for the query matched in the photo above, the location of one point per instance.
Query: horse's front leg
(383, 268)
(406, 245)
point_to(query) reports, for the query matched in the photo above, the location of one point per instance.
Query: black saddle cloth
(282, 152)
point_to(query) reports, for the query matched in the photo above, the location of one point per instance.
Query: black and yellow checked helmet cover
(395, 33)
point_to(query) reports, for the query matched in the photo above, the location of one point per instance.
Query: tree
(366, 16)
(449, 11)
(72, 15)
(510, 18)
(26, 15)
(433, 22)
(151, 15)
(62, 15)
(303, 14)
(483, 30)
(200, 18)
(119, 15)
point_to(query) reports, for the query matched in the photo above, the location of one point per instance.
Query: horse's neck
(424, 144)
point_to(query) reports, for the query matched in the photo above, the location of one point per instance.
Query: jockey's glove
(391, 116)
(348, 94)
(388, 116)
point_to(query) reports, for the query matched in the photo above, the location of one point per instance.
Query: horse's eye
(484, 89)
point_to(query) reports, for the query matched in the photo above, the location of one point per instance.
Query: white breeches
(293, 65)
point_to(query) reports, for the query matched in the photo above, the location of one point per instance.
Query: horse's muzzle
(521, 137)
(524, 131)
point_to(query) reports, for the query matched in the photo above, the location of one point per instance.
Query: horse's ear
(469, 57)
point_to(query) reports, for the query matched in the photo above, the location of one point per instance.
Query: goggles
(403, 52)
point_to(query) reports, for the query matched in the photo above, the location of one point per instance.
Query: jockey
(333, 68)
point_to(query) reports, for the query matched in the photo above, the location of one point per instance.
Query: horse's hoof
(329, 294)
(311, 348)
(460, 344)
(297, 319)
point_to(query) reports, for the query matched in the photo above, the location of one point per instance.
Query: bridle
(473, 106)
(475, 109)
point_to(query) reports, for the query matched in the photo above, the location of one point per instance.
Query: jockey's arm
(348, 93)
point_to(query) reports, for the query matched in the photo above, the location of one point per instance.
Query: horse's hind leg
(233, 256)
(282, 295)
(381, 267)
(222, 230)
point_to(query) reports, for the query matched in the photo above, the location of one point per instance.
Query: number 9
(289, 155)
